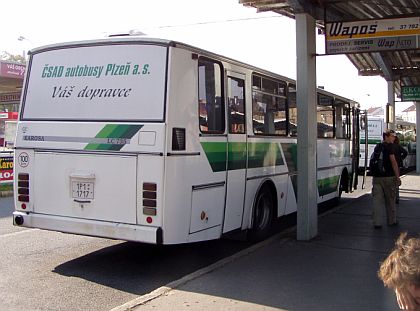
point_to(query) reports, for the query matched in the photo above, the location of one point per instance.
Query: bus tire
(263, 215)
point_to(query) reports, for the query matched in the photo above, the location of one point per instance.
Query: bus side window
(268, 106)
(210, 100)
(325, 116)
(342, 119)
(292, 110)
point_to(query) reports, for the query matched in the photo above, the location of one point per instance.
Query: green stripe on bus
(114, 131)
(370, 141)
(93, 147)
(118, 131)
(328, 185)
(114, 147)
(290, 154)
(216, 155)
(106, 131)
(236, 156)
(259, 155)
(264, 154)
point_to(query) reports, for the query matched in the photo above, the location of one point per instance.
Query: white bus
(155, 141)
(374, 127)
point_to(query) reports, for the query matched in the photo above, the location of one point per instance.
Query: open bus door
(237, 152)
(364, 128)
(355, 146)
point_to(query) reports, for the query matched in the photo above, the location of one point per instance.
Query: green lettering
(109, 69)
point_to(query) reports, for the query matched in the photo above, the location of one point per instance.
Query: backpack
(376, 162)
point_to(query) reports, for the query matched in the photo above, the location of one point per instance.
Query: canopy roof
(402, 67)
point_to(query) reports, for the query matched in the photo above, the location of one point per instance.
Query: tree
(12, 58)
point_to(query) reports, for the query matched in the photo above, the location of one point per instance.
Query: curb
(141, 300)
(136, 302)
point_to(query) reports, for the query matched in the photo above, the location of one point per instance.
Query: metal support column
(391, 102)
(417, 139)
(307, 209)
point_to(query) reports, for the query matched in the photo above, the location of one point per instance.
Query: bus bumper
(104, 229)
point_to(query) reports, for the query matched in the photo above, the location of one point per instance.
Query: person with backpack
(386, 179)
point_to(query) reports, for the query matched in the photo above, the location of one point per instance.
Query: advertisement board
(6, 168)
(113, 82)
(410, 93)
(372, 35)
(13, 97)
(375, 128)
(12, 70)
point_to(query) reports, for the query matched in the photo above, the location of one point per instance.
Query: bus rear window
(109, 83)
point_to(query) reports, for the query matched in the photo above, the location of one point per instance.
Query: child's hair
(402, 266)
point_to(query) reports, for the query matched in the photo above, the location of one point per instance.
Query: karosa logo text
(337, 29)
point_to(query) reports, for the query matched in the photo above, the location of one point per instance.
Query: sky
(266, 40)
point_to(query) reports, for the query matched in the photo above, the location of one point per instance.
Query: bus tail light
(23, 188)
(149, 199)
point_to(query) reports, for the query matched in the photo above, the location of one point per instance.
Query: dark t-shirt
(388, 150)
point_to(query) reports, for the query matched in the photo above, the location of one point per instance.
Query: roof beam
(385, 66)
(272, 7)
(407, 72)
(310, 7)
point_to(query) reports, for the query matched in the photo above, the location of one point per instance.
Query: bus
(406, 132)
(156, 141)
(373, 128)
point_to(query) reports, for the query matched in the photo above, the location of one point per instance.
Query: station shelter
(380, 38)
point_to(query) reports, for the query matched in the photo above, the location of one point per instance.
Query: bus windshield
(97, 83)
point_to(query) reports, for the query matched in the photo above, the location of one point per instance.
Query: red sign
(9, 116)
(12, 70)
(6, 169)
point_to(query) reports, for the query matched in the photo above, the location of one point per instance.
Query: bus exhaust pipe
(19, 220)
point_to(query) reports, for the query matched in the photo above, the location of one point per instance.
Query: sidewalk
(334, 271)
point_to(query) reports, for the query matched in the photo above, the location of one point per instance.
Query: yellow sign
(373, 35)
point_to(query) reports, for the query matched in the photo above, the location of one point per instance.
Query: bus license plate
(82, 190)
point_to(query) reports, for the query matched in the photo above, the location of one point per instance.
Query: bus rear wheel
(263, 215)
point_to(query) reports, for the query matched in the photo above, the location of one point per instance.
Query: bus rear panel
(91, 127)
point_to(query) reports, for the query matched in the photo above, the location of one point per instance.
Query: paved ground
(334, 271)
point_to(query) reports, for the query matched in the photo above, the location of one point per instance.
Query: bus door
(237, 151)
(355, 146)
